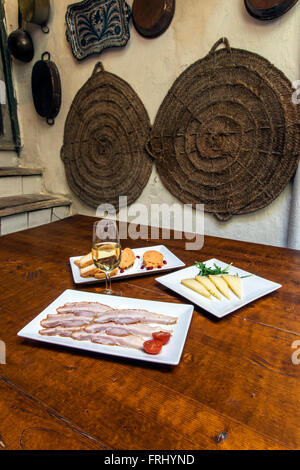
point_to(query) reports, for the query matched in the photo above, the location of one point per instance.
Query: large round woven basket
(104, 141)
(227, 133)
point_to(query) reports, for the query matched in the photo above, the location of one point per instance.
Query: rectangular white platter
(172, 263)
(171, 352)
(253, 287)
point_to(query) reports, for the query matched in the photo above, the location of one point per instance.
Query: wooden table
(236, 376)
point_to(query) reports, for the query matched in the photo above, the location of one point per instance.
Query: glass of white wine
(106, 250)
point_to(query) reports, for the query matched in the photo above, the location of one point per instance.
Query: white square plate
(254, 287)
(172, 263)
(171, 352)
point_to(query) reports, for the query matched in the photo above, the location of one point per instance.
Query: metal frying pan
(46, 88)
(268, 9)
(152, 18)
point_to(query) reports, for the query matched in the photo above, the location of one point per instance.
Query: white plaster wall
(151, 66)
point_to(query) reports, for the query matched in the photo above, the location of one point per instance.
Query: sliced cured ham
(130, 341)
(59, 331)
(104, 313)
(101, 324)
(65, 320)
(84, 308)
(128, 316)
(112, 328)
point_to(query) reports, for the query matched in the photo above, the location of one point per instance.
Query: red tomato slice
(162, 336)
(153, 346)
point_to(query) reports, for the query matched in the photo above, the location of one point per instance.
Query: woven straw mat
(227, 133)
(104, 141)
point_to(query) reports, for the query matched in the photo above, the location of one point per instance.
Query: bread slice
(89, 271)
(84, 261)
(235, 284)
(209, 286)
(220, 285)
(196, 286)
(101, 275)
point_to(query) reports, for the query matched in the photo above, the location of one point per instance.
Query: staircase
(23, 204)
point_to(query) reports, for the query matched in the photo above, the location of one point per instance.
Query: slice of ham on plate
(127, 316)
(130, 341)
(65, 320)
(112, 328)
(66, 332)
(84, 308)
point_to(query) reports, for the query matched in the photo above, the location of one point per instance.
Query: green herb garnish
(205, 271)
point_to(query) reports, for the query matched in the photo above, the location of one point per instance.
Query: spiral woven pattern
(227, 133)
(104, 141)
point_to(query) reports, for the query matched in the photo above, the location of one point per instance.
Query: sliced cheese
(209, 286)
(235, 284)
(220, 284)
(196, 286)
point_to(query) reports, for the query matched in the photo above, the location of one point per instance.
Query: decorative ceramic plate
(170, 354)
(254, 287)
(95, 25)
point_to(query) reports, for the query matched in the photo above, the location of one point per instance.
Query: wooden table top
(235, 377)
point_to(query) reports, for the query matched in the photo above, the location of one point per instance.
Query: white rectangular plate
(171, 352)
(254, 287)
(172, 263)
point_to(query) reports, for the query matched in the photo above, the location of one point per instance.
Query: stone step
(18, 171)
(15, 181)
(31, 210)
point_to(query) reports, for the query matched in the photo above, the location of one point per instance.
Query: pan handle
(45, 28)
(50, 121)
(46, 53)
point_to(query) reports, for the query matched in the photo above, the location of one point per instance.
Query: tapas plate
(254, 287)
(171, 352)
(170, 262)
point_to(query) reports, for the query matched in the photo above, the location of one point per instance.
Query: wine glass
(106, 250)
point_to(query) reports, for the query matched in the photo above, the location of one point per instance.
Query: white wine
(106, 255)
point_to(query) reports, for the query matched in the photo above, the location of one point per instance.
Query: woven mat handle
(149, 150)
(98, 68)
(223, 217)
(218, 43)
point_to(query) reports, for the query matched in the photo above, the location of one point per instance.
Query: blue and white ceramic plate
(95, 25)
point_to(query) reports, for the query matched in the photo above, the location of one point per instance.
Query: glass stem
(108, 283)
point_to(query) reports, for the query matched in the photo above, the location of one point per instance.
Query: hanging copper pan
(36, 11)
(152, 18)
(268, 9)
